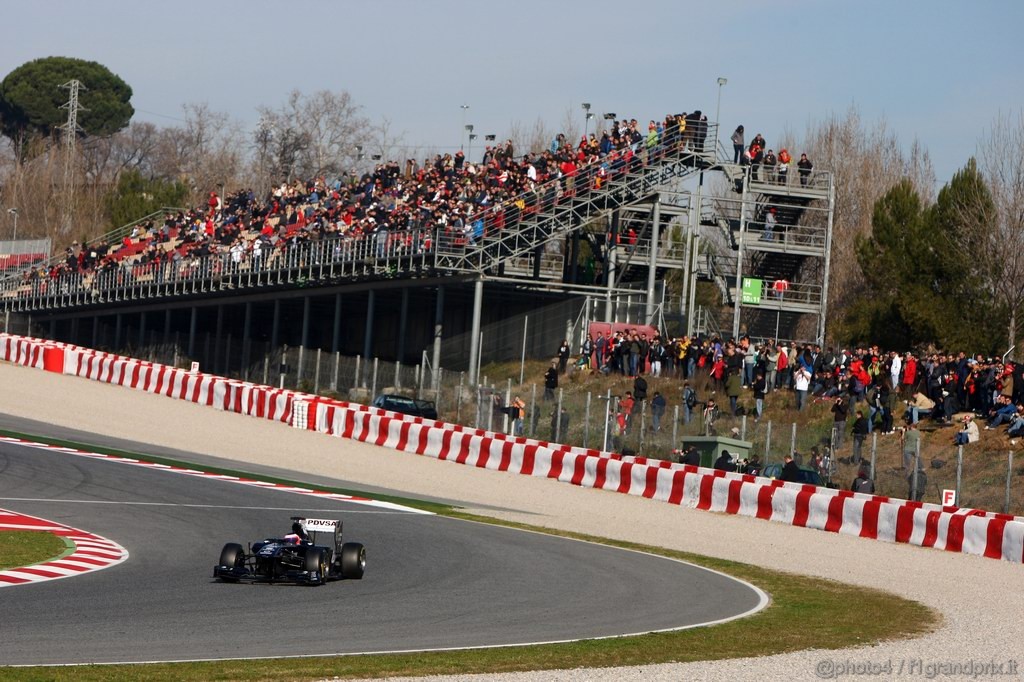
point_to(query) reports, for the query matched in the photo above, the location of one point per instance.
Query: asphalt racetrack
(431, 582)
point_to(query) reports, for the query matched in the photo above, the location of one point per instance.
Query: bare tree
(316, 134)
(571, 126)
(385, 141)
(533, 139)
(204, 152)
(105, 158)
(262, 139)
(866, 160)
(1001, 155)
(32, 186)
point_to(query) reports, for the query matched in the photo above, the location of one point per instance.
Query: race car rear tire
(353, 560)
(232, 556)
(317, 560)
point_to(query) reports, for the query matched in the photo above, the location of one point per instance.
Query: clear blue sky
(938, 70)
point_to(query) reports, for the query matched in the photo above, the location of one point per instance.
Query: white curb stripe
(92, 552)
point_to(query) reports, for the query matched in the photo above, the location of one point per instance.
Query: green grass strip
(805, 612)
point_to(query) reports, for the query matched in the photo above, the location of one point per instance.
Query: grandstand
(329, 265)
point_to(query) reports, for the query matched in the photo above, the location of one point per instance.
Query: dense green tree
(136, 196)
(925, 270)
(31, 99)
(958, 221)
(888, 311)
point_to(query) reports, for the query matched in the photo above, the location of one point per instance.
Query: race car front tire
(232, 556)
(353, 560)
(317, 560)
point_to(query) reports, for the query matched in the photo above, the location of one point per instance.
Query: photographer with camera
(839, 412)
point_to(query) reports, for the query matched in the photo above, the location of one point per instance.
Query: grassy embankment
(984, 468)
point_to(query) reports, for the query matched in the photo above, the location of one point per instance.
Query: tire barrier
(953, 529)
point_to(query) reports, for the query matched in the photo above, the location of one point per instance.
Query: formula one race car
(294, 558)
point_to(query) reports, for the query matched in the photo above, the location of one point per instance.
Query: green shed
(711, 447)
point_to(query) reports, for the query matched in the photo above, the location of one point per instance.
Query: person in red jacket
(782, 369)
(909, 375)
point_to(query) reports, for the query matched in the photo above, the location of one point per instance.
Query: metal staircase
(529, 223)
(783, 262)
(788, 265)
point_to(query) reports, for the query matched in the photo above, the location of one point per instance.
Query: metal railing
(381, 255)
(19, 255)
(639, 253)
(782, 293)
(705, 323)
(770, 181)
(112, 237)
(802, 239)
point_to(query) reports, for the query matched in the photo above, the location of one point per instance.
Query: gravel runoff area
(981, 600)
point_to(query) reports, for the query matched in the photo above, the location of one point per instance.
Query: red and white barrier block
(91, 552)
(893, 520)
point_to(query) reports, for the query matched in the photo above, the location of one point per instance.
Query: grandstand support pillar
(609, 265)
(306, 303)
(692, 255)
(474, 334)
(304, 341)
(403, 315)
(688, 271)
(73, 338)
(246, 340)
(95, 331)
(435, 360)
(574, 254)
(275, 327)
(193, 319)
(53, 329)
(336, 328)
(368, 336)
(142, 329)
(738, 295)
(828, 261)
(652, 266)
(7, 322)
(118, 319)
(167, 326)
(691, 303)
(218, 332)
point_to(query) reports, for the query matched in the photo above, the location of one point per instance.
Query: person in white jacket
(895, 368)
(801, 382)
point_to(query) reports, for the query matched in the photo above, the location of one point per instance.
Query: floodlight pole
(462, 142)
(718, 107)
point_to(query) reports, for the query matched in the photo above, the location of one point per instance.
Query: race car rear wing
(313, 526)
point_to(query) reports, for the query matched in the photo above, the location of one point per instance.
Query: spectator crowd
(866, 388)
(396, 208)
